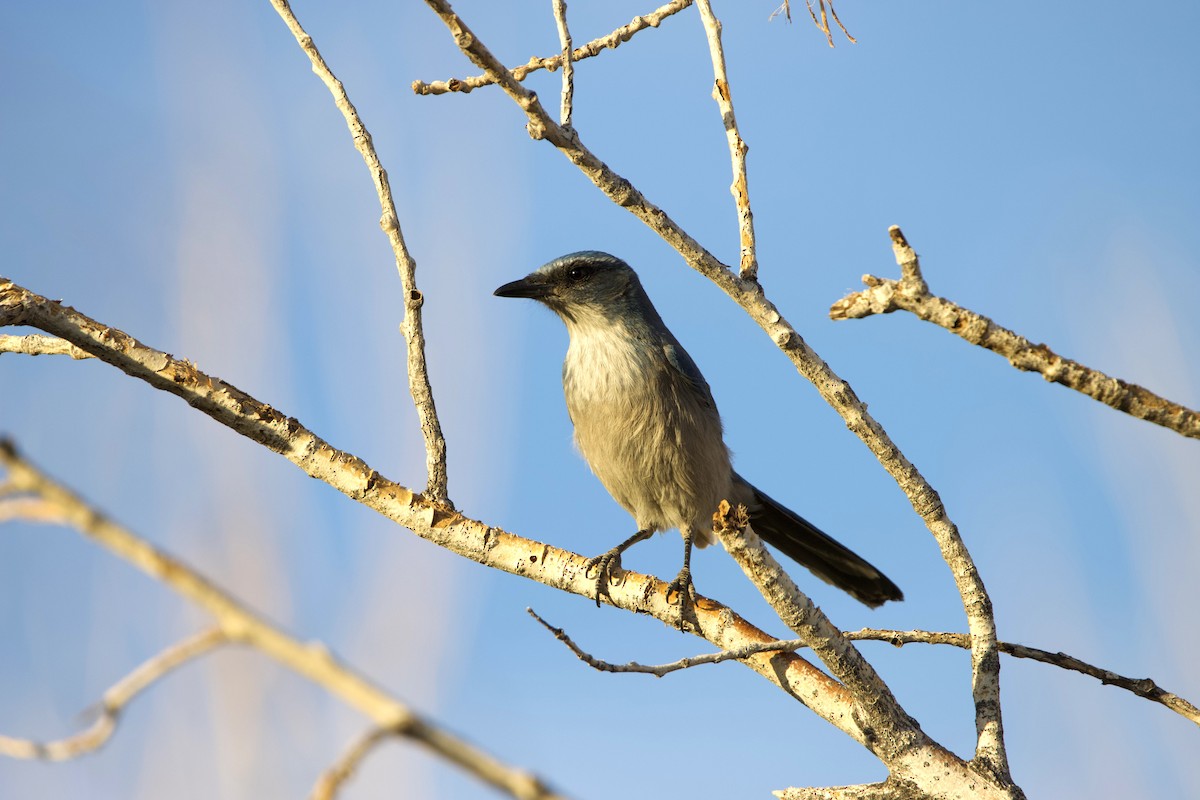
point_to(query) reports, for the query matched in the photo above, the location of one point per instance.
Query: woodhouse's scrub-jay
(648, 426)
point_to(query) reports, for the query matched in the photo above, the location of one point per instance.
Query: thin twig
(115, 700)
(414, 336)
(37, 345)
(240, 625)
(1142, 687)
(911, 293)
(331, 780)
(740, 188)
(610, 42)
(568, 75)
(823, 23)
(659, 670)
(985, 661)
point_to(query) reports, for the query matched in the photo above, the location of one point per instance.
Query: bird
(646, 423)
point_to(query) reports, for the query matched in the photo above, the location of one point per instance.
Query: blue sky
(177, 171)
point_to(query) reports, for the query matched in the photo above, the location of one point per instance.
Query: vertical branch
(568, 76)
(737, 146)
(414, 336)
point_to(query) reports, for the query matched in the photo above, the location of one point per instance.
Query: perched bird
(648, 426)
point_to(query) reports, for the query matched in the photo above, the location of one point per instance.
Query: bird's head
(583, 287)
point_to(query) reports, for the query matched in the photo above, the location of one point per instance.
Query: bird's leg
(604, 563)
(682, 585)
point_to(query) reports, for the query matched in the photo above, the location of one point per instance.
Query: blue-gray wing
(679, 359)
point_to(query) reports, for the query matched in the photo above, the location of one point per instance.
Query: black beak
(523, 288)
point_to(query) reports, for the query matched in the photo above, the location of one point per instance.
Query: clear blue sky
(176, 171)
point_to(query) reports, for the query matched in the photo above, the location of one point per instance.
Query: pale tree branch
(568, 73)
(865, 791)
(985, 661)
(610, 42)
(114, 701)
(238, 624)
(37, 345)
(823, 23)
(740, 188)
(911, 293)
(466, 537)
(1142, 687)
(332, 779)
(414, 335)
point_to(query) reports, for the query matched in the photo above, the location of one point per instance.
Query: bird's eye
(576, 274)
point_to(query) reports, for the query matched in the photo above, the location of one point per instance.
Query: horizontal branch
(910, 293)
(610, 42)
(37, 345)
(1142, 687)
(114, 701)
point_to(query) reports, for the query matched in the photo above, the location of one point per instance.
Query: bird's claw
(604, 564)
(682, 587)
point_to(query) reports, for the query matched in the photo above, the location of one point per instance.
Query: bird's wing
(679, 359)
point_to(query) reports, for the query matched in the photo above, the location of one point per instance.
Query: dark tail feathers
(828, 559)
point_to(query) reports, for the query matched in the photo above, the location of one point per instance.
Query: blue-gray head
(585, 287)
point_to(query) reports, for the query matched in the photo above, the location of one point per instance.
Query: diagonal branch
(115, 699)
(611, 42)
(414, 335)
(238, 624)
(737, 146)
(985, 657)
(910, 293)
(469, 538)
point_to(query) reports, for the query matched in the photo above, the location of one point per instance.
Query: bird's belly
(663, 461)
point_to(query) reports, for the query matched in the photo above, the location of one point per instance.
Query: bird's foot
(605, 565)
(683, 587)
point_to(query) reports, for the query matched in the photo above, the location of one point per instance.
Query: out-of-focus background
(176, 171)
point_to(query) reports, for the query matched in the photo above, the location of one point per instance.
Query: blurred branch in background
(235, 624)
(911, 293)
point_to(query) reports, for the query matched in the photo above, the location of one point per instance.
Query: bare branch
(823, 23)
(985, 659)
(611, 42)
(911, 294)
(659, 670)
(38, 345)
(1142, 687)
(331, 780)
(867, 791)
(737, 146)
(240, 625)
(414, 335)
(114, 701)
(568, 76)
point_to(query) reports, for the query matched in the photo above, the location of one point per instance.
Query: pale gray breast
(651, 438)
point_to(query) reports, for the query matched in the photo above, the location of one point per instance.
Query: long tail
(827, 558)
